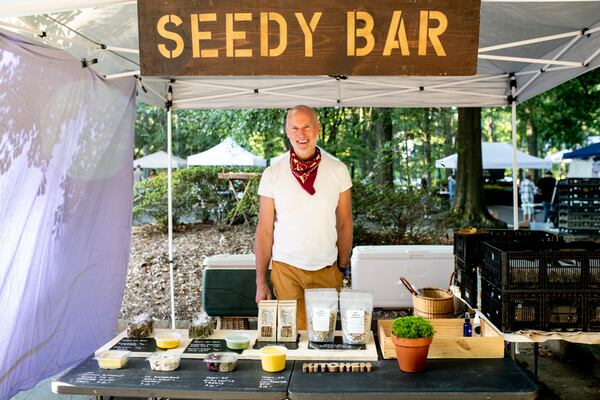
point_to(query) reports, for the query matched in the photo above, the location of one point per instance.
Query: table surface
(496, 378)
(191, 380)
(444, 379)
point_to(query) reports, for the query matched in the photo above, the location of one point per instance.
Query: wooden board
(302, 353)
(449, 342)
(295, 37)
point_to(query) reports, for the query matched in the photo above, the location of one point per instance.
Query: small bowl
(167, 340)
(113, 359)
(272, 358)
(164, 361)
(221, 361)
(238, 341)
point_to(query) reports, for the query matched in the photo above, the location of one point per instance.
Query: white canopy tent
(228, 152)
(525, 48)
(496, 155)
(159, 160)
(557, 158)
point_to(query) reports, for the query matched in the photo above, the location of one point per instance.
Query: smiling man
(305, 218)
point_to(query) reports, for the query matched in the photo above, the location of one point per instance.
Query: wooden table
(246, 178)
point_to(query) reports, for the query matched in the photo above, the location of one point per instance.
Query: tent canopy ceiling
(495, 155)
(228, 152)
(553, 31)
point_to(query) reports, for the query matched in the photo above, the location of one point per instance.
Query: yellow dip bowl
(273, 358)
(167, 340)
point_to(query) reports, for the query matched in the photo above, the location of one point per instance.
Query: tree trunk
(470, 204)
(382, 128)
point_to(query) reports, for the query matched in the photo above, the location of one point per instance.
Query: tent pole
(170, 202)
(513, 103)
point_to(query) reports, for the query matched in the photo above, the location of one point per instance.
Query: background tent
(558, 157)
(589, 151)
(585, 162)
(160, 159)
(496, 155)
(228, 152)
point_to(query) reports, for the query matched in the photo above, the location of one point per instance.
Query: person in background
(451, 189)
(527, 190)
(138, 174)
(546, 186)
(305, 217)
(424, 182)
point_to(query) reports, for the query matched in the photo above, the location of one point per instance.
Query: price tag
(355, 321)
(320, 319)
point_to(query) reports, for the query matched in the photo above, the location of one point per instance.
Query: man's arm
(344, 228)
(263, 246)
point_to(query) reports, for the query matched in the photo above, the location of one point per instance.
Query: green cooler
(229, 286)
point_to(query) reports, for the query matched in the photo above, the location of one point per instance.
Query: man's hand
(262, 293)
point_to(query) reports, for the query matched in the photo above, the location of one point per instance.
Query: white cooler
(379, 268)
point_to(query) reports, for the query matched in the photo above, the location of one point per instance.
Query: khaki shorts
(289, 283)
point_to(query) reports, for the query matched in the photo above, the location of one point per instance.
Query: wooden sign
(294, 37)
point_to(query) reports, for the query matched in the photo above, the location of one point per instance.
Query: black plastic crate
(513, 266)
(565, 269)
(512, 310)
(592, 311)
(564, 311)
(594, 270)
(467, 246)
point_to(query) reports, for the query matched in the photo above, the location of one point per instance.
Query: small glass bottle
(467, 328)
(476, 325)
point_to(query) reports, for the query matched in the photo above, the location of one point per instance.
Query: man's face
(303, 130)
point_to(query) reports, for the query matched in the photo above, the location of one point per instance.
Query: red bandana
(305, 172)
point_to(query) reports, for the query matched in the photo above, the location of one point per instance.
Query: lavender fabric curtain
(66, 138)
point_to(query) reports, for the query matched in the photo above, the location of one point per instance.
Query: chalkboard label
(337, 344)
(136, 345)
(95, 378)
(154, 380)
(268, 382)
(205, 346)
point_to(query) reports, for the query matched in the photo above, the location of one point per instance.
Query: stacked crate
(541, 286)
(469, 259)
(579, 206)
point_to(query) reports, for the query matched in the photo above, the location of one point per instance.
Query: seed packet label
(356, 321)
(320, 319)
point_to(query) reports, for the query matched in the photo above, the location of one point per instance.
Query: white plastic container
(226, 261)
(379, 268)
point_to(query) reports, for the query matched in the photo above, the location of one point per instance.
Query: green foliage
(198, 194)
(385, 215)
(412, 328)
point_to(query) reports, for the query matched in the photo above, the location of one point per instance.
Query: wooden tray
(448, 341)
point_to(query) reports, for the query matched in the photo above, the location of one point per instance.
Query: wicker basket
(431, 302)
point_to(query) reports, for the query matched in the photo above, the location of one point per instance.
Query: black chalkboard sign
(338, 344)
(147, 345)
(248, 380)
(205, 346)
(288, 345)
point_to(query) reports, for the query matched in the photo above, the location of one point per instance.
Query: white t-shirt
(305, 233)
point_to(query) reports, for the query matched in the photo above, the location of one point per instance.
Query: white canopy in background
(497, 155)
(228, 152)
(160, 159)
(542, 43)
(557, 158)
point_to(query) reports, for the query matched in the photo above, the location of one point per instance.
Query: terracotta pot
(411, 353)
